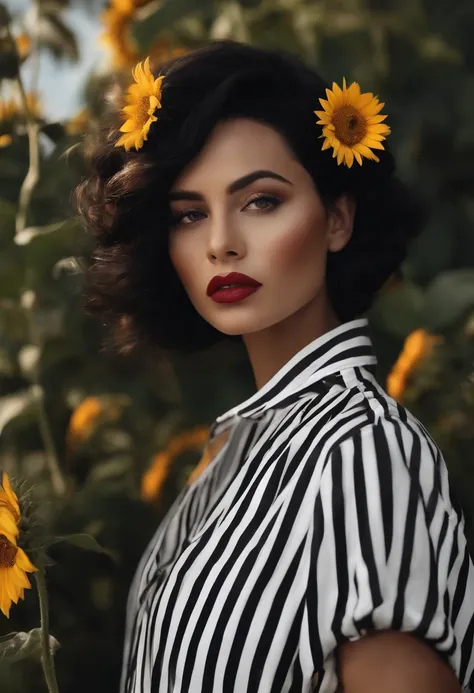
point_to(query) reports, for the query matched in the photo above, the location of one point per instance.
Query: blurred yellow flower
(14, 563)
(116, 36)
(351, 123)
(143, 99)
(155, 477)
(5, 141)
(23, 45)
(12, 108)
(418, 345)
(83, 420)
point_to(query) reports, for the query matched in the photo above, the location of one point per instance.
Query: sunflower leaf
(86, 542)
(17, 646)
(8, 636)
(448, 298)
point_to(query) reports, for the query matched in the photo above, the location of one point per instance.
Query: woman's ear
(340, 222)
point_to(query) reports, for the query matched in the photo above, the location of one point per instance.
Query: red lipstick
(232, 287)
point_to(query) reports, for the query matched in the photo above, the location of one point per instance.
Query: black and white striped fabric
(327, 514)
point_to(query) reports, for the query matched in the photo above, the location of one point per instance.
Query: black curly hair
(130, 281)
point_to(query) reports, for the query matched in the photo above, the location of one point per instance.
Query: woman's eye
(188, 216)
(264, 203)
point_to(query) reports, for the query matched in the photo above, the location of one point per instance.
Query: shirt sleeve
(388, 549)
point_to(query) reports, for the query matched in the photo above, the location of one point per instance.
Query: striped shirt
(327, 514)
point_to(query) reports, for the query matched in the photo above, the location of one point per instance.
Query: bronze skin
(274, 229)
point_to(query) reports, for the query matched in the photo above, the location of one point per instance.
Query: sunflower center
(8, 552)
(143, 106)
(350, 125)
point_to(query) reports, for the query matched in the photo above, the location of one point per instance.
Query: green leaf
(448, 298)
(399, 310)
(20, 404)
(86, 542)
(54, 131)
(22, 645)
(55, 35)
(171, 11)
(8, 636)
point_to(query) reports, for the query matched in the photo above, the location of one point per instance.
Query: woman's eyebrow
(238, 184)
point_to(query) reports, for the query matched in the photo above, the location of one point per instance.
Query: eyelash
(275, 202)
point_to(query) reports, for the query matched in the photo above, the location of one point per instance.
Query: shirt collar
(346, 346)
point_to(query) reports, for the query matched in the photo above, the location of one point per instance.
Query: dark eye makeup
(264, 202)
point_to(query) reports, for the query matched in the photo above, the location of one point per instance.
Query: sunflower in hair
(352, 124)
(143, 99)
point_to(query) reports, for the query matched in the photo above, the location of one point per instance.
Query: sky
(61, 82)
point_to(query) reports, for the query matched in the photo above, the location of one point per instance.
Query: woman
(321, 548)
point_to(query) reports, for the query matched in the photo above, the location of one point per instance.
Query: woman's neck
(270, 349)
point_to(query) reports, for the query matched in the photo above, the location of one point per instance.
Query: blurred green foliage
(416, 53)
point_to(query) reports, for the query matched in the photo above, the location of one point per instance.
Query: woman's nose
(224, 242)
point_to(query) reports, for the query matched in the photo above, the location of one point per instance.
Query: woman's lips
(232, 287)
(234, 294)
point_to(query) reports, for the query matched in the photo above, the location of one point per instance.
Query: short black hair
(130, 281)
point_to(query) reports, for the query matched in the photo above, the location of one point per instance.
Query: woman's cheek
(303, 243)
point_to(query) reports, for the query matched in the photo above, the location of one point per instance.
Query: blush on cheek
(304, 242)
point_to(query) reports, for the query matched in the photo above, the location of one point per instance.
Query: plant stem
(32, 176)
(47, 660)
(52, 460)
(57, 478)
(26, 191)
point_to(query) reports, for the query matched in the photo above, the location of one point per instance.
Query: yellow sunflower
(143, 99)
(14, 564)
(352, 124)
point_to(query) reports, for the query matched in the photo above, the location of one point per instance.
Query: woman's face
(246, 205)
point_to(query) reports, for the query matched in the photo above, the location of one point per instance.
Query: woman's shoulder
(394, 447)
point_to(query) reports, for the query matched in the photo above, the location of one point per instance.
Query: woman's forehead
(235, 148)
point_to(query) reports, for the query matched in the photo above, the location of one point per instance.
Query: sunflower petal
(330, 97)
(373, 144)
(372, 109)
(353, 93)
(129, 110)
(380, 129)
(364, 150)
(128, 126)
(364, 100)
(23, 562)
(337, 91)
(349, 157)
(376, 119)
(154, 103)
(357, 157)
(323, 115)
